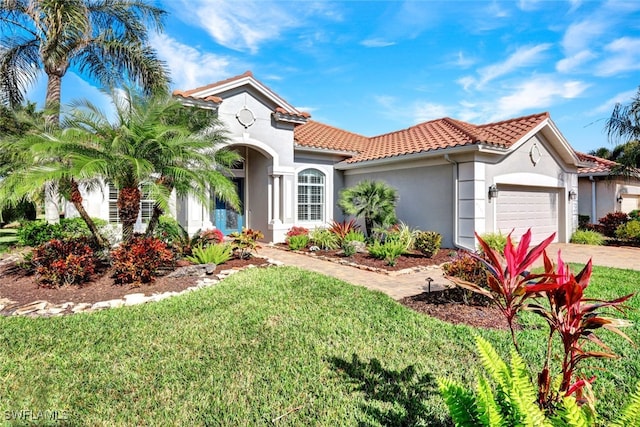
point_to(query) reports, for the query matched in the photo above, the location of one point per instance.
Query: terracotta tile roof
(182, 94)
(318, 135)
(187, 93)
(296, 113)
(432, 135)
(594, 165)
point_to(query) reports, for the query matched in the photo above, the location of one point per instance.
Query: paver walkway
(397, 287)
(405, 285)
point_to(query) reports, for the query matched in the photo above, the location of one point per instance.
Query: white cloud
(424, 111)
(580, 36)
(624, 55)
(418, 111)
(190, 67)
(376, 43)
(620, 98)
(240, 25)
(466, 82)
(537, 93)
(574, 62)
(523, 57)
(463, 61)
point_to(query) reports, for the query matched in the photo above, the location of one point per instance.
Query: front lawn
(267, 346)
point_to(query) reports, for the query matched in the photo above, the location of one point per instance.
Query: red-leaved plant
(569, 314)
(341, 229)
(508, 275)
(574, 318)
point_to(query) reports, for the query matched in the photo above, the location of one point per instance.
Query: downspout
(456, 236)
(593, 199)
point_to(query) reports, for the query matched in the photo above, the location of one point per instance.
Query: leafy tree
(624, 125)
(375, 201)
(103, 39)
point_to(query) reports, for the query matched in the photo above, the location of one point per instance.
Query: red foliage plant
(211, 236)
(341, 229)
(138, 260)
(64, 262)
(297, 231)
(611, 221)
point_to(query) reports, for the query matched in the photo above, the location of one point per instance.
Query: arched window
(310, 195)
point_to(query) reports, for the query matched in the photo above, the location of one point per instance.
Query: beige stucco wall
(607, 192)
(425, 195)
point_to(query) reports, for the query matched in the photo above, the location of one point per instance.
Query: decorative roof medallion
(534, 154)
(245, 117)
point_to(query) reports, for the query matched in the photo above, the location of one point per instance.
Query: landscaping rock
(135, 299)
(83, 306)
(30, 308)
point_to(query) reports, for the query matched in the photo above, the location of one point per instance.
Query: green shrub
(64, 262)
(388, 251)
(496, 241)
(428, 242)
(246, 242)
(35, 233)
(587, 237)
(348, 248)
(211, 254)
(298, 242)
(583, 221)
(341, 229)
(635, 215)
(354, 236)
(324, 239)
(630, 230)
(138, 260)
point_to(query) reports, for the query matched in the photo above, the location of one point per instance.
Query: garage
(629, 202)
(520, 208)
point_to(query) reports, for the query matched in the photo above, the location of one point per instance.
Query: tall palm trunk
(52, 100)
(154, 220)
(129, 208)
(76, 200)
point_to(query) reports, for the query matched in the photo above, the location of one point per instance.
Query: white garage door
(630, 202)
(520, 208)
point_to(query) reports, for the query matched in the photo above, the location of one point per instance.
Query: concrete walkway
(405, 285)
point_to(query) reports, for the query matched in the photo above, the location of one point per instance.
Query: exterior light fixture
(619, 199)
(573, 195)
(493, 192)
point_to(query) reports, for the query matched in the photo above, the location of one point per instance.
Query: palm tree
(624, 125)
(375, 201)
(146, 147)
(103, 39)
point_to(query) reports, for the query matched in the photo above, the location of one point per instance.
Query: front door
(226, 218)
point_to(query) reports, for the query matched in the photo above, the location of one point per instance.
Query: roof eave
(315, 150)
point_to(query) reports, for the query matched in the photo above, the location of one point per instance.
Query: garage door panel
(519, 209)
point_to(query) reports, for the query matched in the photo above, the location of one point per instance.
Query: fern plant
(324, 239)
(211, 254)
(506, 396)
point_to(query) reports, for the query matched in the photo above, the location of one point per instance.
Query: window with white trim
(146, 205)
(310, 195)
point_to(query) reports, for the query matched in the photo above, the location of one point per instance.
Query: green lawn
(277, 346)
(7, 238)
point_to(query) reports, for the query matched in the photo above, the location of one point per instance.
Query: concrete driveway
(605, 256)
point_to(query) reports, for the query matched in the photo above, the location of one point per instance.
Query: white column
(276, 200)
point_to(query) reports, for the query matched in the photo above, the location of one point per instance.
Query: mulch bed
(17, 285)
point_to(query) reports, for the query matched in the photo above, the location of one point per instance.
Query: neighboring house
(601, 192)
(452, 177)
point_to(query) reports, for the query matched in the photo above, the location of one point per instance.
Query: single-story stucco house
(602, 192)
(452, 177)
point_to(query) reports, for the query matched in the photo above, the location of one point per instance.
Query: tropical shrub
(298, 242)
(217, 254)
(34, 233)
(354, 236)
(634, 215)
(64, 262)
(630, 230)
(341, 229)
(349, 248)
(324, 239)
(583, 221)
(245, 242)
(388, 251)
(496, 241)
(587, 237)
(427, 242)
(569, 315)
(297, 231)
(212, 236)
(468, 268)
(611, 221)
(375, 201)
(139, 259)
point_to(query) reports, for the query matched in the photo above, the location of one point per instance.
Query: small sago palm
(375, 201)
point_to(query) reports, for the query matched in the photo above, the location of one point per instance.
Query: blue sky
(373, 67)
